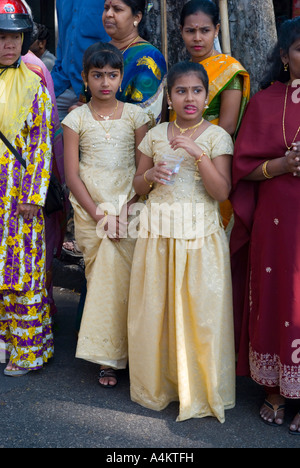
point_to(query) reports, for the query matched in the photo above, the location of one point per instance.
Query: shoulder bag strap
(13, 150)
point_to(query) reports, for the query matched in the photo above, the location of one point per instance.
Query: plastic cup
(173, 165)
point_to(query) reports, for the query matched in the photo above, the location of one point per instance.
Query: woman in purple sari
(265, 242)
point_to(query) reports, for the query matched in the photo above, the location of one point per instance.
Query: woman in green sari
(229, 82)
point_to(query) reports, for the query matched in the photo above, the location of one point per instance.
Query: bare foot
(295, 426)
(108, 377)
(272, 411)
(11, 367)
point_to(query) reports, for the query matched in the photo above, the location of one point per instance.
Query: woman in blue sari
(144, 65)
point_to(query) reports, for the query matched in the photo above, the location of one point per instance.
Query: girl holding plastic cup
(181, 345)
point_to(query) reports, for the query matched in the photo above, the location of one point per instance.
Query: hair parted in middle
(186, 68)
(100, 54)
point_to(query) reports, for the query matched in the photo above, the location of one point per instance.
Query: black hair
(289, 32)
(40, 33)
(205, 6)
(101, 54)
(139, 6)
(185, 68)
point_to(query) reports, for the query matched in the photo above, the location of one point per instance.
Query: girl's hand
(27, 210)
(292, 160)
(159, 174)
(186, 143)
(115, 228)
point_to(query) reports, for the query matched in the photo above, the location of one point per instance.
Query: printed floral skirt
(26, 328)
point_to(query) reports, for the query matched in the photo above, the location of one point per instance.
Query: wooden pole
(226, 44)
(164, 29)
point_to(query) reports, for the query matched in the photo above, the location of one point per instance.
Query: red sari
(265, 247)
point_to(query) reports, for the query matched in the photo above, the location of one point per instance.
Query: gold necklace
(104, 117)
(107, 131)
(125, 50)
(183, 130)
(283, 123)
(192, 134)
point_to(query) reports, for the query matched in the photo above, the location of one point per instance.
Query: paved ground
(63, 407)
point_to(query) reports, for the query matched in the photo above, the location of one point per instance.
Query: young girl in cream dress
(101, 156)
(181, 345)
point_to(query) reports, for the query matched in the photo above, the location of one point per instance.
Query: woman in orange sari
(229, 82)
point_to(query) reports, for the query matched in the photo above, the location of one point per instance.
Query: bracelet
(104, 219)
(147, 181)
(199, 160)
(265, 172)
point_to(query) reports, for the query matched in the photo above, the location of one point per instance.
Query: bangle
(199, 160)
(147, 181)
(104, 219)
(265, 172)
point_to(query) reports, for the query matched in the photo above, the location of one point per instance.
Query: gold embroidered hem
(180, 326)
(268, 370)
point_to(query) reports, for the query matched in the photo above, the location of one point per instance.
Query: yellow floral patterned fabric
(22, 244)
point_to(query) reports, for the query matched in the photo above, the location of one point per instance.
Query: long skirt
(103, 332)
(26, 328)
(181, 341)
(274, 321)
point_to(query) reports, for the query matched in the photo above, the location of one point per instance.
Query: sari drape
(222, 70)
(144, 78)
(265, 248)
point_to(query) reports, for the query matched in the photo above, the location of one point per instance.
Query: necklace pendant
(108, 136)
(105, 117)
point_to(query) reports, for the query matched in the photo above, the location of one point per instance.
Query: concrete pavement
(62, 406)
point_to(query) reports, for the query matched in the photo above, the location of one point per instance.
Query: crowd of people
(186, 217)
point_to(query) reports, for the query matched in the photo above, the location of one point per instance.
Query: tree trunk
(252, 24)
(176, 49)
(252, 30)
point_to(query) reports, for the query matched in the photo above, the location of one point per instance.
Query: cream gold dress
(181, 342)
(107, 168)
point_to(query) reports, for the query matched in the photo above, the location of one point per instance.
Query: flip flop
(108, 373)
(295, 433)
(16, 372)
(74, 251)
(275, 409)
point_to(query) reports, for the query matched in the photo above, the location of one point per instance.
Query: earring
(286, 67)
(135, 24)
(86, 87)
(169, 101)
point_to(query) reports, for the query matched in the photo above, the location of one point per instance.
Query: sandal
(275, 409)
(71, 248)
(110, 373)
(16, 372)
(295, 432)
